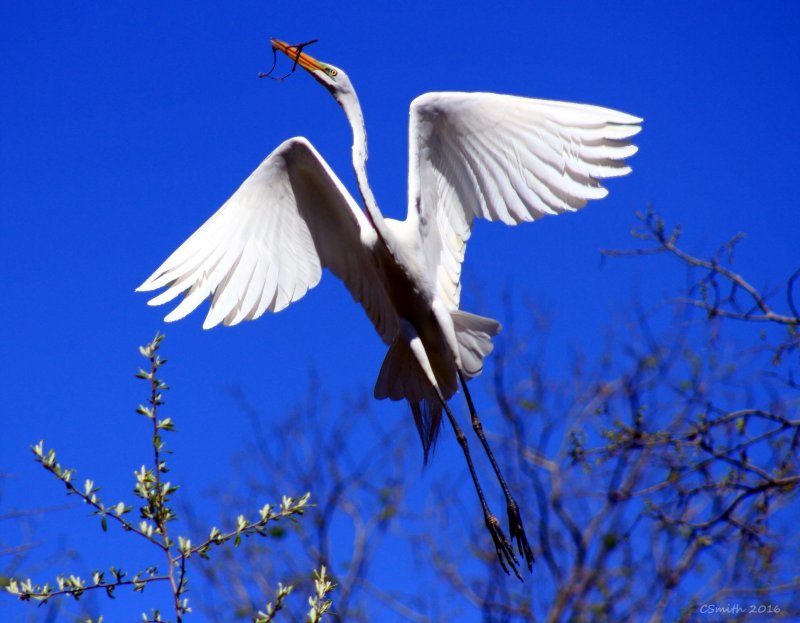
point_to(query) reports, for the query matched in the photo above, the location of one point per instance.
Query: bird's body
(471, 155)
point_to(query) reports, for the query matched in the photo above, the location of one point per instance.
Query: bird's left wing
(267, 245)
(505, 158)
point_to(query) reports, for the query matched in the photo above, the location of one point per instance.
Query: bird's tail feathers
(402, 378)
(474, 334)
(428, 418)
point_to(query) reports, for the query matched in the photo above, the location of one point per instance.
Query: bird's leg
(515, 526)
(505, 551)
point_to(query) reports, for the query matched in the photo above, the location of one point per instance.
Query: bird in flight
(471, 155)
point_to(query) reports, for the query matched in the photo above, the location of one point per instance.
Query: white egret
(471, 155)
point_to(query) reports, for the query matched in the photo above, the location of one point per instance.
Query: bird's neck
(352, 110)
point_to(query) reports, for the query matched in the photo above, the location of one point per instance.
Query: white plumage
(267, 245)
(471, 155)
(506, 158)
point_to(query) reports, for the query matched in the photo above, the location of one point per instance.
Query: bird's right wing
(267, 245)
(504, 158)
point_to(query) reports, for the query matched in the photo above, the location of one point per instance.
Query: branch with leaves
(156, 516)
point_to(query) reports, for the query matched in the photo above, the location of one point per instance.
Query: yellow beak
(301, 58)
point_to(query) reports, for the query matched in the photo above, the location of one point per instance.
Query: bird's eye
(331, 72)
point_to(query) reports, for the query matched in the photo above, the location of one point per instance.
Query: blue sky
(123, 127)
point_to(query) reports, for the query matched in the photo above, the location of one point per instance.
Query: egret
(471, 155)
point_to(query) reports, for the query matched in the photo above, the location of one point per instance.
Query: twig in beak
(298, 50)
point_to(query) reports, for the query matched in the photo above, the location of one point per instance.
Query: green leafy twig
(320, 602)
(268, 614)
(75, 586)
(155, 517)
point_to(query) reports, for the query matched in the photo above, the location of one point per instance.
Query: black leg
(515, 526)
(505, 551)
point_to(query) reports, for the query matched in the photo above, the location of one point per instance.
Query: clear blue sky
(123, 127)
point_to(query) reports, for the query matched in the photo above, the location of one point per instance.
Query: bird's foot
(505, 551)
(517, 532)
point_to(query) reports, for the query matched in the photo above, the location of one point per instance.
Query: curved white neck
(352, 110)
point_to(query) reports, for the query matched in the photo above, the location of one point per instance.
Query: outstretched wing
(505, 158)
(267, 245)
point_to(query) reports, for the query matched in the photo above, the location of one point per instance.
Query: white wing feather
(267, 245)
(505, 158)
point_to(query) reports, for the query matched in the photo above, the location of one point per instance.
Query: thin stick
(298, 50)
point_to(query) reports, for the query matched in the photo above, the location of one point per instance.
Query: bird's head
(332, 78)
